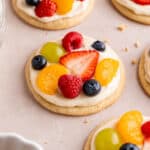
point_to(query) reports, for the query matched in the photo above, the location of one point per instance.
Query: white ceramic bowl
(12, 141)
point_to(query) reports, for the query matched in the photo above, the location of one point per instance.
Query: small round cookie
(53, 21)
(117, 133)
(133, 11)
(144, 71)
(82, 76)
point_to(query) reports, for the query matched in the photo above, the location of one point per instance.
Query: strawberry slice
(142, 2)
(81, 63)
(146, 144)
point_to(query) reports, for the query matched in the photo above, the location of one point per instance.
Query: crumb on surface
(45, 142)
(134, 61)
(86, 121)
(121, 27)
(106, 41)
(137, 44)
(126, 49)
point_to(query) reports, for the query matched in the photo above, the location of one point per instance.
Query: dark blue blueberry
(129, 146)
(99, 45)
(32, 2)
(91, 87)
(39, 62)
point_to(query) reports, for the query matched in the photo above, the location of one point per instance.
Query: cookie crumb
(106, 41)
(134, 61)
(45, 142)
(121, 27)
(137, 44)
(86, 121)
(126, 49)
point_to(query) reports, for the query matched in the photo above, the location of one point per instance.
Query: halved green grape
(52, 52)
(107, 139)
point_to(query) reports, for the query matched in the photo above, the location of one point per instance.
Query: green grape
(52, 52)
(107, 139)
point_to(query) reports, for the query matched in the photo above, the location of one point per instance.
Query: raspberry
(73, 40)
(70, 86)
(45, 8)
(146, 129)
(142, 2)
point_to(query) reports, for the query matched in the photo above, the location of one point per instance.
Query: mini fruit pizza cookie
(144, 71)
(75, 75)
(137, 10)
(129, 132)
(52, 14)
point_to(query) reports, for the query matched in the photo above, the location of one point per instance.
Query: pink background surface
(21, 114)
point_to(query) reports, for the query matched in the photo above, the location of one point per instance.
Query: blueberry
(99, 45)
(91, 87)
(129, 146)
(39, 62)
(32, 2)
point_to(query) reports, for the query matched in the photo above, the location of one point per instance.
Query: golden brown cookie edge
(141, 73)
(130, 14)
(53, 25)
(75, 111)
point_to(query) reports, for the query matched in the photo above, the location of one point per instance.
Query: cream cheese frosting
(110, 124)
(147, 65)
(136, 8)
(82, 100)
(78, 7)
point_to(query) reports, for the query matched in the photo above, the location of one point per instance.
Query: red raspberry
(146, 129)
(70, 86)
(73, 40)
(45, 8)
(142, 2)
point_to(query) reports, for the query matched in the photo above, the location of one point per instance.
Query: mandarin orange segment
(129, 127)
(63, 6)
(47, 79)
(106, 70)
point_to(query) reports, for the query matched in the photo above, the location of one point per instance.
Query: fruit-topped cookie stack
(137, 10)
(53, 14)
(130, 132)
(76, 75)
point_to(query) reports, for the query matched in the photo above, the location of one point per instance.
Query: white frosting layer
(78, 7)
(136, 8)
(110, 124)
(82, 99)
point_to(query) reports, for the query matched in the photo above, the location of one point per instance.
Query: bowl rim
(21, 139)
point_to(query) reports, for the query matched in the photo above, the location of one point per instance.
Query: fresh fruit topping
(129, 146)
(107, 139)
(70, 86)
(46, 8)
(63, 6)
(146, 129)
(99, 45)
(146, 144)
(32, 2)
(47, 79)
(52, 51)
(91, 87)
(39, 62)
(81, 63)
(106, 71)
(129, 127)
(71, 41)
(142, 2)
